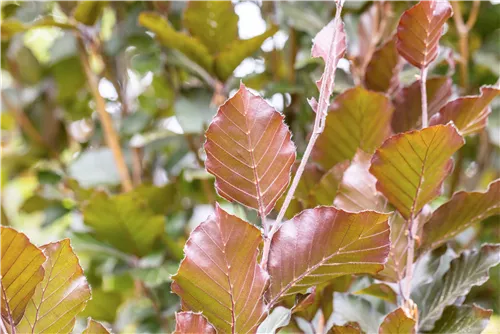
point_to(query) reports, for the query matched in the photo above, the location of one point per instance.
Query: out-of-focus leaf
(349, 309)
(10, 28)
(87, 12)
(459, 213)
(220, 274)
(61, 296)
(411, 167)
(103, 305)
(155, 276)
(397, 322)
(348, 328)
(419, 31)
(325, 191)
(468, 113)
(249, 151)
(408, 102)
(379, 290)
(94, 167)
(194, 111)
(22, 270)
(94, 327)
(32, 71)
(233, 54)
(190, 322)
(358, 119)
(357, 190)
(383, 69)
(279, 317)
(465, 319)
(125, 221)
(188, 45)
(322, 243)
(469, 269)
(69, 77)
(214, 23)
(303, 18)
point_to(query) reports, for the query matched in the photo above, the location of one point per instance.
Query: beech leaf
(22, 270)
(463, 210)
(357, 119)
(325, 190)
(468, 113)
(249, 151)
(408, 102)
(419, 30)
(354, 309)
(411, 167)
(61, 296)
(220, 274)
(465, 319)
(349, 328)
(397, 322)
(469, 269)
(190, 322)
(383, 69)
(322, 243)
(279, 317)
(95, 327)
(380, 290)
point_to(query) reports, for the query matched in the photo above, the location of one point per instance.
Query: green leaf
(325, 190)
(124, 221)
(465, 319)
(188, 45)
(411, 167)
(22, 270)
(88, 174)
(357, 119)
(397, 322)
(103, 305)
(383, 69)
(61, 296)
(349, 309)
(94, 327)
(190, 322)
(469, 269)
(379, 290)
(88, 12)
(463, 210)
(279, 317)
(220, 274)
(323, 243)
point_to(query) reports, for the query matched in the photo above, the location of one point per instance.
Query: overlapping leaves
(397, 322)
(190, 322)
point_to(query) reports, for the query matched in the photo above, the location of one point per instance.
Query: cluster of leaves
(122, 125)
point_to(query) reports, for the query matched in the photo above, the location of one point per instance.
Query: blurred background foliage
(160, 70)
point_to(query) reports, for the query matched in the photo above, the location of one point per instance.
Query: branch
(423, 90)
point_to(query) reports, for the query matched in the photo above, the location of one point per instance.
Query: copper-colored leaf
(95, 327)
(61, 295)
(358, 191)
(190, 322)
(379, 290)
(322, 243)
(419, 31)
(383, 69)
(468, 113)
(408, 102)
(249, 151)
(220, 276)
(349, 328)
(397, 322)
(21, 271)
(358, 118)
(462, 211)
(411, 167)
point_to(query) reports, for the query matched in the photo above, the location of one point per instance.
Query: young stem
(110, 134)
(423, 90)
(409, 257)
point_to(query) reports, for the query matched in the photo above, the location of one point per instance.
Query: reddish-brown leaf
(220, 276)
(190, 322)
(383, 69)
(349, 328)
(419, 31)
(410, 167)
(322, 243)
(249, 151)
(357, 119)
(462, 211)
(468, 113)
(408, 102)
(397, 322)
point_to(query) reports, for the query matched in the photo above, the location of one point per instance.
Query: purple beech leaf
(383, 69)
(410, 167)
(380, 290)
(249, 151)
(61, 296)
(323, 243)
(325, 190)
(463, 210)
(368, 26)
(357, 119)
(220, 276)
(468, 113)
(397, 322)
(420, 29)
(357, 190)
(22, 270)
(470, 319)
(408, 103)
(190, 322)
(349, 328)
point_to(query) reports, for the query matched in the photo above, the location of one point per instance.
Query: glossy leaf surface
(397, 322)
(190, 322)
(419, 31)
(22, 271)
(322, 243)
(95, 327)
(249, 151)
(220, 275)
(464, 319)
(383, 69)
(411, 167)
